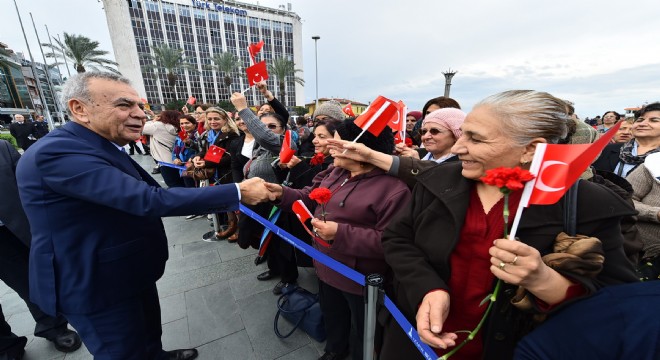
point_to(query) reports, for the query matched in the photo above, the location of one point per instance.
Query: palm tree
(82, 52)
(282, 68)
(172, 60)
(225, 63)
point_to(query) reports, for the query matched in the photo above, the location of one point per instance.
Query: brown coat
(419, 241)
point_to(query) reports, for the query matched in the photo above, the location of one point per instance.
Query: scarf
(627, 157)
(211, 136)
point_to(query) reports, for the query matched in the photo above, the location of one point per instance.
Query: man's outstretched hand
(254, 191)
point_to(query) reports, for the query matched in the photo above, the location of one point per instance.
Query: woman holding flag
(447, 249)
(213, 145)
(348, 228)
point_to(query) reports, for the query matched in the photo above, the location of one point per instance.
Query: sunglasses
(433, 131)
(273, 126)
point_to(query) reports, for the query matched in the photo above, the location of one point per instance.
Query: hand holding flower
(326, 230)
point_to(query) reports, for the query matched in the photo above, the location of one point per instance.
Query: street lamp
(316, 60)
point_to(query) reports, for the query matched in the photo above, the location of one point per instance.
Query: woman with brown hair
(163, 131)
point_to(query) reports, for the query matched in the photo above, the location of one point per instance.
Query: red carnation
(321, 195)
(507, 179)
(317, 159)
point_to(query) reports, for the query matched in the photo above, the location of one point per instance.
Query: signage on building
(218, 7)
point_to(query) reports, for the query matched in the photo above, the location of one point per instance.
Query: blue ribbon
(180, 167)
(423, 349)
(347, 272)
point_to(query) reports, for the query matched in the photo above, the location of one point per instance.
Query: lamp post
(448, 75)
(316, 60)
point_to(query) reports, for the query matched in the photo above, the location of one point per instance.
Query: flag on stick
(257, 72)
(286, 152)
(348, 110)
(556, 167)
(191, 100)
(376, 117)
(214, 154)
(254, 49)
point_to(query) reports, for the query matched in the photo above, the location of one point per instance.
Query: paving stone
(13, 304)
(199, 246)
(41, 349)
(230, 251)
(22, 324)
(258, 312)
(248, 285)
(191, 262)
(172, 308)
(235, 346)
(175, 335)
(212, 313)
(308, 352)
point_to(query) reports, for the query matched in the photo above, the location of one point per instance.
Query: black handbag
(302, 309)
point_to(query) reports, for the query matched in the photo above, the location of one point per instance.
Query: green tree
(172, 60)
(282, 68)
(82, 52)
(225, 63)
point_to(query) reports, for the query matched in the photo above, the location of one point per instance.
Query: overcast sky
(602, 55)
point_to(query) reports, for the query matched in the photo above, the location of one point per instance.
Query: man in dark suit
(21, 130)
(14, 254)
(98, 242)
(39, 127)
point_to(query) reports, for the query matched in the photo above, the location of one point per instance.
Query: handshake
(255, 191)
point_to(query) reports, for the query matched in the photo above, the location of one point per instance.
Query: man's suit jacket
(21, 132)
(95, 215)
(11, 210)
(608, 158)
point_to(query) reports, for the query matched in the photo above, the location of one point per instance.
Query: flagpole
(49, 82)
(529, 187)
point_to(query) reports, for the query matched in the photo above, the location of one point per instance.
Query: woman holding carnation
(446, 248)
(362, 201)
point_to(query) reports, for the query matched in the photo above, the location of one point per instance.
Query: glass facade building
(202, 29)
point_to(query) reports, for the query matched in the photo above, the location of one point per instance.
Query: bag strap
(570, 209)
(280, 303)
(283, 298)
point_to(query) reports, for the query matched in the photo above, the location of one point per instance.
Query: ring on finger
(502, 265)
(514, 260)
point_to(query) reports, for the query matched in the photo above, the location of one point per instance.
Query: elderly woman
(610, 119)
(364, 200)
(645, 180)
(439, 132)
(621, 158)
(446, 248)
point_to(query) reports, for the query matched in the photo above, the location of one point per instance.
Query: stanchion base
(210, 236)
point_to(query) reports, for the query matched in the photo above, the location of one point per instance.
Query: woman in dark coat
(222, 132)
(447, 244)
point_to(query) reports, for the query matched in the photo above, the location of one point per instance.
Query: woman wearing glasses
(439, 132)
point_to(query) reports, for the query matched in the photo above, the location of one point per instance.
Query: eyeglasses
(433, 131)
(273, 126)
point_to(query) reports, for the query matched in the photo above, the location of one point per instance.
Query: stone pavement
(210, 299)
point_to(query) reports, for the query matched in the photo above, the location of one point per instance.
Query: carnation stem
(506, 215)
(473, 333)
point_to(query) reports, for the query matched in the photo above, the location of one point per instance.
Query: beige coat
(647, 201)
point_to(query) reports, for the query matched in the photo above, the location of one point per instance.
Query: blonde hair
(230, 125)
(529, 114)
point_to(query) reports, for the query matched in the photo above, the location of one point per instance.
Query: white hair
(77, 86)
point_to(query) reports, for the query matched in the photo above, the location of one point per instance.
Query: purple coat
(370, 201)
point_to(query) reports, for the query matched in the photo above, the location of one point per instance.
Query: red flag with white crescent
(557, 167)
(214, 154)
(348, 110)
(257, 72)
(398, 121)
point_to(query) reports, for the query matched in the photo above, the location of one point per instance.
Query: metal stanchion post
(374, 283)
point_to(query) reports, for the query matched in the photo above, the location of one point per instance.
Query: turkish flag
(398, 121)
(377, 115)
(191, 100)
(557, 167)
(286, 153)
(214, 154)
(183, 135)
(303, 214)
(348, 110)
(254, 49)
(257, 72)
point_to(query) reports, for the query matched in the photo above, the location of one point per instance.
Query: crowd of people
(416, 212)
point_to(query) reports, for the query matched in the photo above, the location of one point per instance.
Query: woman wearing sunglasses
(439, 132)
